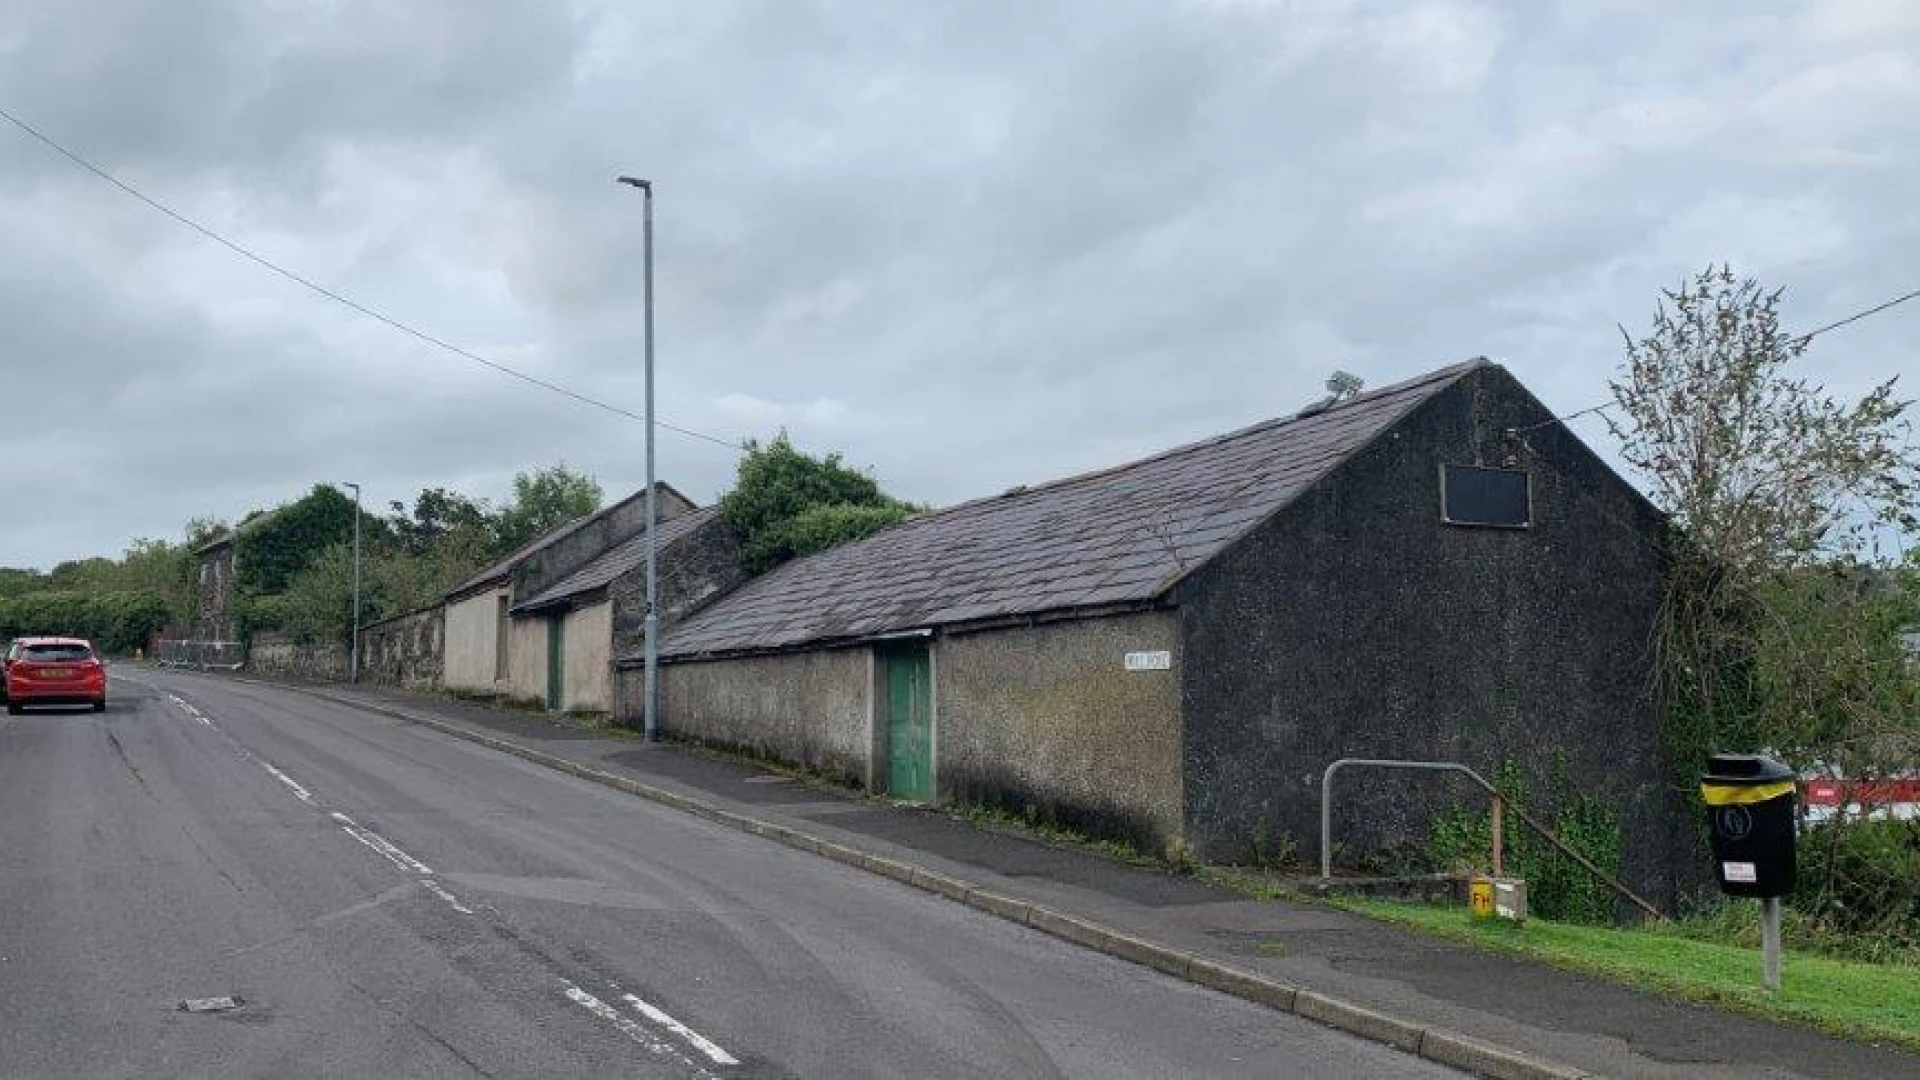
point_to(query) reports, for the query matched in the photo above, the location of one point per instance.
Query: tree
(317, 604)
(160, 569)
(15, 581)
(786, 503)
(544, 501)
(199, 531)
(1758, 468)
(1763, 474)
(438, 514)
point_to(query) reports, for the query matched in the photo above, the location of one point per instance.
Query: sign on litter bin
(1750, 810)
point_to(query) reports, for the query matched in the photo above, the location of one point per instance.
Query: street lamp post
(353, 658)
(651, 723)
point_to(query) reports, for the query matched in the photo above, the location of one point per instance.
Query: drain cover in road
(212, 1004)
(768, 780)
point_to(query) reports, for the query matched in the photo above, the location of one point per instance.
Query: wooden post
(1499, 838)
(1770, 943)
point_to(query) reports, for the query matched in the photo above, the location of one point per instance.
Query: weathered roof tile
(1111, 537)
(618, 559)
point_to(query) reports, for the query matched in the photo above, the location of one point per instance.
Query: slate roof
(618, 560)
(504, 566)
(1119, 536)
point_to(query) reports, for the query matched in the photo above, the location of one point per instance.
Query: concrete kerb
(1434, 1044)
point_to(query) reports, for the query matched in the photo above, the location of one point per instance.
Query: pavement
(1484, 1012)
(222, 878)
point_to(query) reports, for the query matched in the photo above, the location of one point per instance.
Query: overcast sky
(969, 244)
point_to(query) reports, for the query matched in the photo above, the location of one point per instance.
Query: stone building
(213, 590)
(1173, 650)
(539, 626)
(599, 611)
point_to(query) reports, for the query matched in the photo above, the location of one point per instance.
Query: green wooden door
(556, 662)
(910, 723)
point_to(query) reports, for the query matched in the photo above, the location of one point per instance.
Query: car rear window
(55, 654)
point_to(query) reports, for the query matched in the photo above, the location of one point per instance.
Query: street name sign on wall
(1150, 661)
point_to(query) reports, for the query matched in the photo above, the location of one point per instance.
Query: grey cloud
(971, 245)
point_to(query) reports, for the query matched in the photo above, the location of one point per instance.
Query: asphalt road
(382, 900)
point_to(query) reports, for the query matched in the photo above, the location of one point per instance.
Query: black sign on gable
(1493, 498)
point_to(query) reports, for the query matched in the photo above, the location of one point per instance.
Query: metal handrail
(1326, 820)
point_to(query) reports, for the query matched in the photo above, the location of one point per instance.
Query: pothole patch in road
(212, 1004)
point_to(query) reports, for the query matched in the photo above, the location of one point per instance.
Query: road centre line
(381, 844)
(700, 1042)
(639, 1032)
(189, 709)
(299, 792)
(453, 902)
(633, 1029)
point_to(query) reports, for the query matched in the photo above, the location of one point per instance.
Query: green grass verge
(1869, 1002)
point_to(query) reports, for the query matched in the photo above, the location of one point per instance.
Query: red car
(55, 671)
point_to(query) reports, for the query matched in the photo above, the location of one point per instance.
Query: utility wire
(355, 305)
(1801, 340)
(1858, 315)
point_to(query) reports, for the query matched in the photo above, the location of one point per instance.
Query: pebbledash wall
(474, 639)
(1039, 719)
(812, 708)
(1047, 720)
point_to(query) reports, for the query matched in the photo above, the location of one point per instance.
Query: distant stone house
(1173, 650)
(599, 611)
(213, 590)
(538, 626)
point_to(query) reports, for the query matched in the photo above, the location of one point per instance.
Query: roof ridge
(675, 528)
(499, 567)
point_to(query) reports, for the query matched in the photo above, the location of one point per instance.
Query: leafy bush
(1557, 887)
(818, 528)
(116, 622)
(786, 503)
(1863, 877)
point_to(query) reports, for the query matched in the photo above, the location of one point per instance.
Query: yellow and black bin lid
(1745, 779)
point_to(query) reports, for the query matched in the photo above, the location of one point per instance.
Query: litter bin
(1750, 810)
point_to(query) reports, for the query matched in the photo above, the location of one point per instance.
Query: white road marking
(631, 1028)
(700, 1042)
(433, 887)
(299, 792)
(187, 707)
(406, 863)
(382, 845)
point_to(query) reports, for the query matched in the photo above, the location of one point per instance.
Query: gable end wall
(1356, 624)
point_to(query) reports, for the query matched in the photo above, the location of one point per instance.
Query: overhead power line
(346, 301)
(1802, 339)
(1858, 315)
